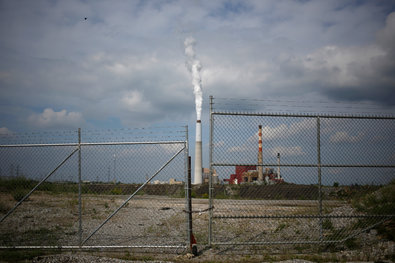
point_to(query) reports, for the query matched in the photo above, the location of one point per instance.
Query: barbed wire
(163, 133)
(270, 105)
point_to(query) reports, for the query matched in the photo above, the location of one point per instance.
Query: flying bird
(86, 18)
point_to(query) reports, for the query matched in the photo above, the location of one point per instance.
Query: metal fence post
(189, 208)
(188, 203)
(210, 192)
(319, 174)
(79, 189)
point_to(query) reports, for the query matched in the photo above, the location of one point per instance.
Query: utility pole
(278, 168)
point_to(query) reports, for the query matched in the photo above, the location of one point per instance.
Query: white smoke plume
(194, 66)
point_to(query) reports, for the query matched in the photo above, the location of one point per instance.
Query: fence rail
(124, 188)
(330, 176)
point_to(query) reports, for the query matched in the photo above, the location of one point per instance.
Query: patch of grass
(22, 184)
(201, 237)
(327, 224)
(116, 191)
(72, 203)
(303, 247)
(280, 227)
(351, 243)
(18, 194)
(150, 229)
(336, 235)
(387, 230)
(9, 185)
(21, 255)
(4, 208)
(380, 202)
(41, 235)
(221, 195)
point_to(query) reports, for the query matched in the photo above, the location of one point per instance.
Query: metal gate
(95, 189)
(279, 178)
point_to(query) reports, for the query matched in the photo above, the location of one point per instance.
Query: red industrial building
(249, 173)
(240, 169)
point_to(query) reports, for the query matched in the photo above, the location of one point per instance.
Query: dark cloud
(126, 61)
(375, 77)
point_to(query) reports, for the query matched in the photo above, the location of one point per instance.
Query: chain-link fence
(281, 178)
(107, 188)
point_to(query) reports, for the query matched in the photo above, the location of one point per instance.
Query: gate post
(191, 238)
(319, 175)
(79, 190)
(210, 181)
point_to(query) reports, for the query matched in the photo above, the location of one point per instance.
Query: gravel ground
(157, 220)
(81, 258)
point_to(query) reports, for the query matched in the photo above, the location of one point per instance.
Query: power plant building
(249, 174)
(252, 173)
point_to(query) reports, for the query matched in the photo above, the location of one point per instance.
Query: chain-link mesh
(325, 179)
(97, 188)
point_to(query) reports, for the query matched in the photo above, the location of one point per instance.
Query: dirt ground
(150, 221)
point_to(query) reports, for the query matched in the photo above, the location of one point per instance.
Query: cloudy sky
(124, 65)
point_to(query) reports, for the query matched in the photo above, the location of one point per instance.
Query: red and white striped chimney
(260, 158)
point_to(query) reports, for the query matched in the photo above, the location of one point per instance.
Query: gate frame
(79, 145)
(319, 165)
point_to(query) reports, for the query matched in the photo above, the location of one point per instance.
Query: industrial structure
(250, 174)
(260, 157)
(206, 176)
(198, 154)
(255, 174)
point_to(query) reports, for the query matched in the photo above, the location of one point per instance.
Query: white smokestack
(194, 66)
(198, 154)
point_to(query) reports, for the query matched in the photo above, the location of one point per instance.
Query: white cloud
(338, 66)
(285, 130)
(335, 170)
(127, 66)
(134, 101)
(238, 149)
(218, 144)
(269, 133)
(386, 36)
(303, 127)
(287, 151)
(52, 119)
(342, 136)
(4, 131)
